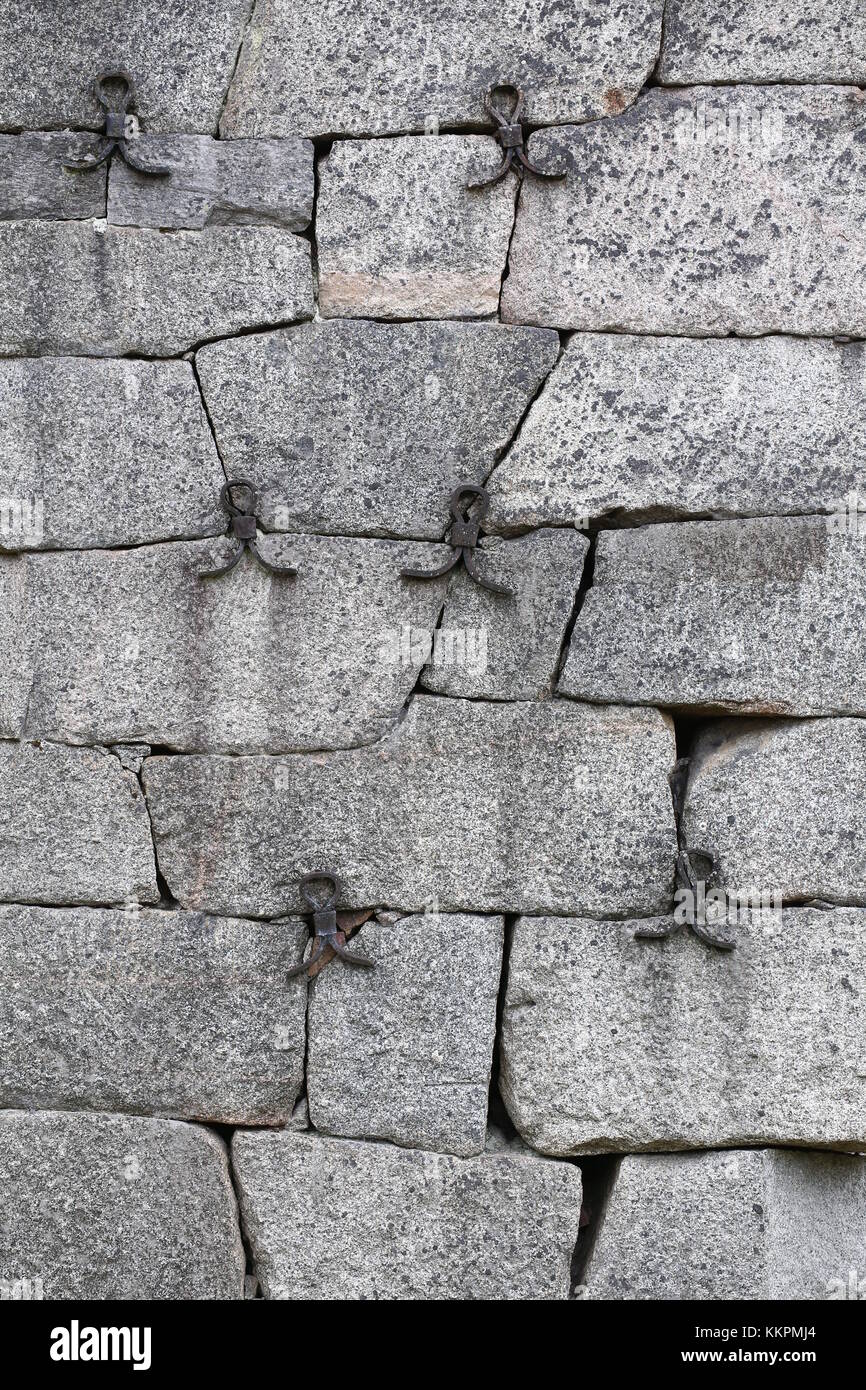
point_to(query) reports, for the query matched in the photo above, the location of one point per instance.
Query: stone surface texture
(767, 41)
(616, 1044)
(34, 183)
(321, 67)
(502, 808)
(385, 1223)
(764, 1224)
(156, 1013)
(705, 211)
(116, 1207)
(367, 428)
(418, 1029)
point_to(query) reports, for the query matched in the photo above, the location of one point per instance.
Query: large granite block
(763, 41)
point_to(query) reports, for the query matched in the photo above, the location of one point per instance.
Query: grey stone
(34, 183)
(403, 1051)
(779, 802)
(116, 1207)
(336, 1219)
(762, 616)
(662, 428)
(87, 288)
(767, 41)
(104, 454)
(741, 1224)
(74, 827)
(132, 646)
(367, 428)
(548, 807)
(613, 1043)
(216, 183)
(491, 646)
(400, 236)
(157, 1013)
(181, 57)
(705, 211)
(321, 68)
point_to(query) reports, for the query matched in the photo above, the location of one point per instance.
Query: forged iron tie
(121, 127)
(465, 528)
(509, 133)
(243, 526)
(325, 929)
(687, 879)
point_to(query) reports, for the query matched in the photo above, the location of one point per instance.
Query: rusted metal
(327, 933)
(121, 128)
(464, 535)
(509, 133)
(243, 525)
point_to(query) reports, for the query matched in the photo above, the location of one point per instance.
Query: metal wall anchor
(688, 879)
(325, 930)
(509, 133)
(121, 126)
(243, 526)
(465, 529)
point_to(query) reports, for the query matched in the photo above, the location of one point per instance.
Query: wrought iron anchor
(121, 127)
(243, 525)
(325, 929)
(509, 133)
(464, 535)
(688, 879)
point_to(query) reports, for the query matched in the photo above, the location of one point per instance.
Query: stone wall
(601, 834)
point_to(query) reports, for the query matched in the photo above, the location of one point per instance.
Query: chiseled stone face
(399, 234)
(763, 616)
(322, 67)
(403, 1051)
(104, 454)
(337, 1219)
(35, 184)
(181, 57)
(763, 41)
(613, 1043)
(367, 428)
(74, 827)
(117, 1207)
(709, 210)
(96, 290)
(780, 803)
(134, 646)
(216, 183)
(738, 1224)
(469, 805)
(157, 1013)
(663, 428)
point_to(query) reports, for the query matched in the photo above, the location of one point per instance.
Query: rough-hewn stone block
(763, 41)
(478, 807)
(400, 236)
(336, 1219)
(491, 646)
(181, 57)
(763, 616)
(780, 802)
(34, 183)
(116, 1207)
(73, 827)
(615, 1043)
(662, 428)
(403, 1051)
(327, 68)
(216, 183)
(732, 1225)
(87, 288)
(158, 1013)
(367, 428)
(132, 646)
(104, 454)
(711, 210)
